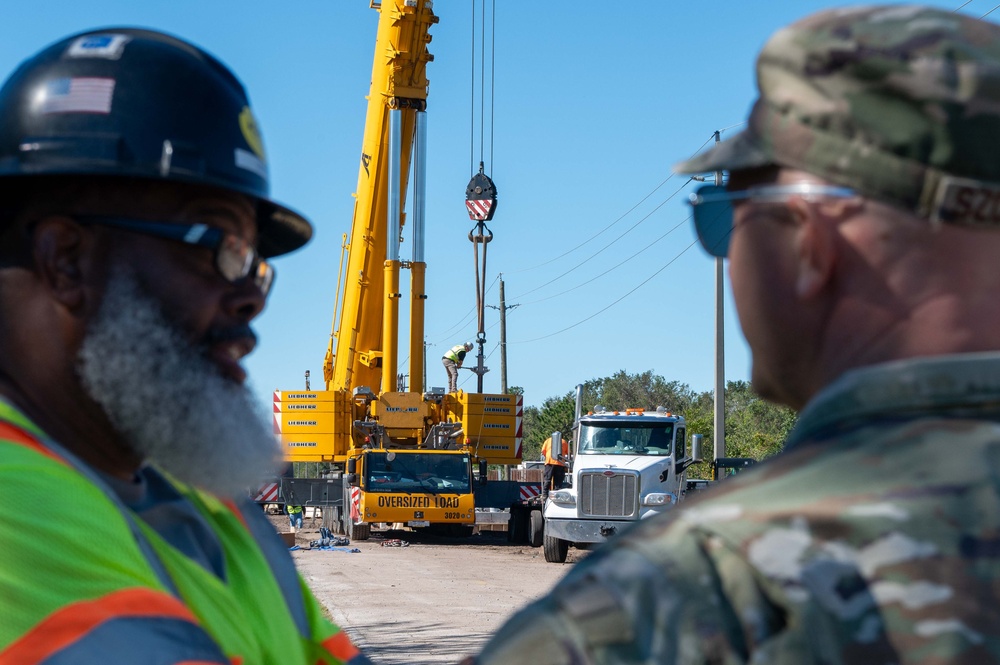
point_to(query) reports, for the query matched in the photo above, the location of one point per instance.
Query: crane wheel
(360, 531)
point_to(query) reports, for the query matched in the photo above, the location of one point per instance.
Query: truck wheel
(556, 549)
(360, 531)
(517, 526)
(536, 528)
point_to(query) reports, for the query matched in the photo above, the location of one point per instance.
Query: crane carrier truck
(393, 455)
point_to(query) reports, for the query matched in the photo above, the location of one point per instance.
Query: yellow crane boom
(363, 351)
(402, 456)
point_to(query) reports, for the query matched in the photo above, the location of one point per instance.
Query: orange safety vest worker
(95, 581)
(547, 452)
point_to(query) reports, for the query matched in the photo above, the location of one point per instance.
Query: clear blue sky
(593, 103)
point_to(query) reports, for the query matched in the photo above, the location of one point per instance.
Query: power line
(962, 5)
(626, 213)
(600, 311)
(599, 233)
(600, 251)
(615, 267)
(462, 321)
(990, 12)
(472, 311)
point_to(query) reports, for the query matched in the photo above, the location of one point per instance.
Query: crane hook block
(481, 198)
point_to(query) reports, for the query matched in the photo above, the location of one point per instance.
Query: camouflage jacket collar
(964, 384)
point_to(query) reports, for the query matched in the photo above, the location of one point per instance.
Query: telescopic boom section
(367, 337)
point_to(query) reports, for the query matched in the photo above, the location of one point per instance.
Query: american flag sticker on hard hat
(78, 95)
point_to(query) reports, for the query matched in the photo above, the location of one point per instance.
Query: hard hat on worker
(468, 346)
(126, 102)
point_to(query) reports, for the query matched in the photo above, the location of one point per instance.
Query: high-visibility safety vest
(84, 580)
(547, 452)
(456, 353)
(294, 510)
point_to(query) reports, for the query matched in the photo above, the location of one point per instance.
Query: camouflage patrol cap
(900, 103)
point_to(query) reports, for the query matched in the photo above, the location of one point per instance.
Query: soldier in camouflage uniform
(862, 223)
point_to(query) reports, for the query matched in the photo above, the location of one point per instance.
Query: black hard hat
(140, 104)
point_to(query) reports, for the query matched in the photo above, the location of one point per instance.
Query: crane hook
(481, 197)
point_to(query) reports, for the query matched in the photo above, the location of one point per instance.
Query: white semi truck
(627, 466)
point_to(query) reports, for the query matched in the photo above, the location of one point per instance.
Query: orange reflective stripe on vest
(340, 647)
(71, 622)
(186, 618)
(15, 434)
(229, 503)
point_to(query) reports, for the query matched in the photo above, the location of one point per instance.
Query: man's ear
(815, 247)
(62, 251)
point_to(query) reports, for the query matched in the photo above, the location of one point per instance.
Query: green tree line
(754, 428)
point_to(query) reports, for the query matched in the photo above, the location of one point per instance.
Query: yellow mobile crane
(400, 456)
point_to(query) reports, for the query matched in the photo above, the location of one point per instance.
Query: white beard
(168, 400)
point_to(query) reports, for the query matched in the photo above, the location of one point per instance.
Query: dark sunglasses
(235, 258)
(712, 207)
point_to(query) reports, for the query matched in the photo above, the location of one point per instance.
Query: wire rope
(493, 71)
(472, 312)
(472, 93)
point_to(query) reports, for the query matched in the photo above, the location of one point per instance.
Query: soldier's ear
(815, 248)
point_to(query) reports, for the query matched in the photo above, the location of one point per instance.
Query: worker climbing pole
(481, 193)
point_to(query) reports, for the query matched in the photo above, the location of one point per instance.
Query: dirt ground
(434, 601)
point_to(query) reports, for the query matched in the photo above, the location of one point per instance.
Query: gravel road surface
(436, 600)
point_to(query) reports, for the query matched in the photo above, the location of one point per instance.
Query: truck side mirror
(352, 472)
(484, 470)
(696, 442)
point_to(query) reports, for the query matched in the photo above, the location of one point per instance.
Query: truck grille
(614, 495)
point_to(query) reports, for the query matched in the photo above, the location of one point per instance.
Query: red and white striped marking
(267, 493)
(529, 492)
(277, 411)
(480, 209)
(518, 426)
(356, 505)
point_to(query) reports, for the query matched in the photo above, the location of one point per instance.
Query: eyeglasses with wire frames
(235, 258)
(712, 207)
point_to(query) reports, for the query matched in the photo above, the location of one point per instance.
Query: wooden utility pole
(503, 340)
(720, 352)
(503, 337)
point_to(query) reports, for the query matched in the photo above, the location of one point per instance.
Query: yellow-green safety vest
(84, 580)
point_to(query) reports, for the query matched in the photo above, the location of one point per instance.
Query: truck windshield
(417, 472)
(610, 439)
